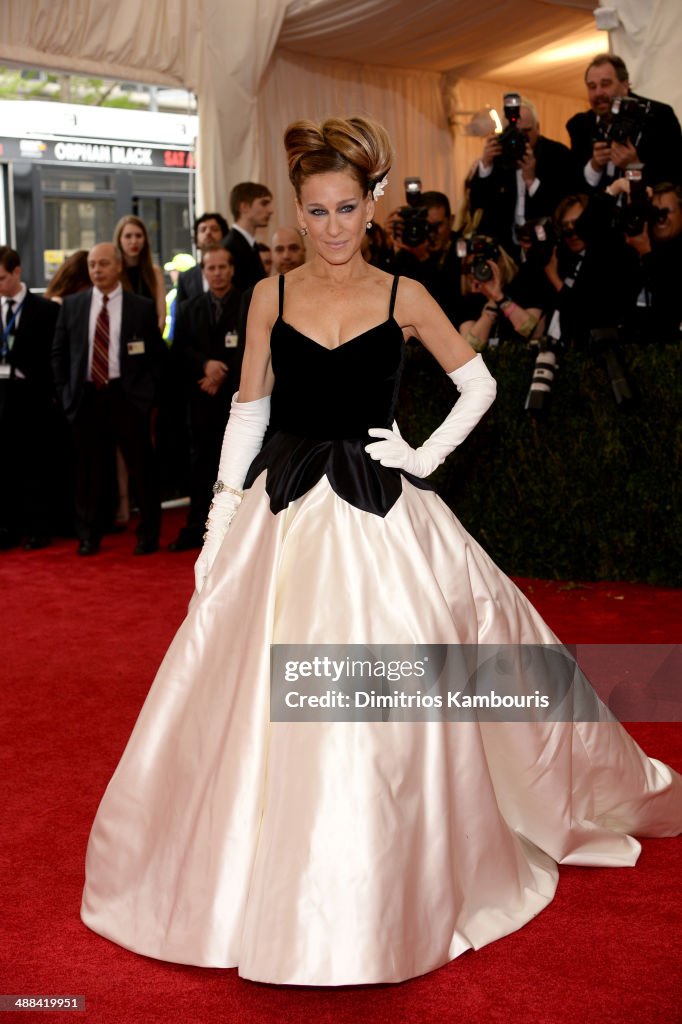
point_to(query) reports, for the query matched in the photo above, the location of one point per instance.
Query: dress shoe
(88, 547)
(185, 541)
(146, 547)
(36, 542)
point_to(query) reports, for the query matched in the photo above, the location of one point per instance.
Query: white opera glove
(242, 441)
(477, 393)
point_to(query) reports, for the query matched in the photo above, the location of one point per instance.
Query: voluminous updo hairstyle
(355, 144)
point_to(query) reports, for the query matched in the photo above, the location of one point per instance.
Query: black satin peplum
(323, 403)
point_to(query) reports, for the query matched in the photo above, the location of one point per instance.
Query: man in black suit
(601, 161)
(251, 206)
(207, 347)
(510, 196)
(435, 262)
(209, 229)
(107, 358)
(26, 406)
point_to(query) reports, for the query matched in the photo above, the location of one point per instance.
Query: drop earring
(303, 232)
(369, 224)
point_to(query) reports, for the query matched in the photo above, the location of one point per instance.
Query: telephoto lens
(606, 342)
(544, 371)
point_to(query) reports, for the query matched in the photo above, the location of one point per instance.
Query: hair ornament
(380, 188)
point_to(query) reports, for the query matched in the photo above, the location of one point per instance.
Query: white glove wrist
(243, 439)
(477, 393)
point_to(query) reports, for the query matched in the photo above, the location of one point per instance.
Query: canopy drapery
(255, 64)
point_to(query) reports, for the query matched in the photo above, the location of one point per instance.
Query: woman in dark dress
(335, 852)
(140, 274)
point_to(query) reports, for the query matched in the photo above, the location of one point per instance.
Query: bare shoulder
(265, 299)
(412, 303)
(410, 291)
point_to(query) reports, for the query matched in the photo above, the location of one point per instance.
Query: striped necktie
(100, 350)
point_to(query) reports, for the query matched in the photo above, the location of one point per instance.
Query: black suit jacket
(140, 372)
(248, 266)
(660, 149)
(558, 174)
(199, 338)
(190, 284)
(32, 346)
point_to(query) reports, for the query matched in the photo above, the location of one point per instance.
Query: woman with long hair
(70, 277)
(139, 274)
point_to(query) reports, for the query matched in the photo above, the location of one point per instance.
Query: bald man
(107, 359)
(288, 250)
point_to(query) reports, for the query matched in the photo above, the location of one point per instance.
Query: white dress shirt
(521, 188)
(16, 301)
(114, 306)
(249, 238)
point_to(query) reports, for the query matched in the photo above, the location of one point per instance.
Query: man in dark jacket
(107, 360)
(532, 188)
(209, 229)
(208, 352)
(251, 207)
(27, 409)
(596, 137)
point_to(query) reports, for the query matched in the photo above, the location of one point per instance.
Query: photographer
(433, 260)
(491, 309)
(521, 175)
(604, 142)
(592, 270)
(659, 249)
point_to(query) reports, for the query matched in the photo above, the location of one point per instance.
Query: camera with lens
(537, 238)
(633, 217)
(412, 227)
(512, 140)
(626, 120)
(477, 250)
(544, 372)
(606, 345)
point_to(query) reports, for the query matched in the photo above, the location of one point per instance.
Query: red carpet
(83, 638)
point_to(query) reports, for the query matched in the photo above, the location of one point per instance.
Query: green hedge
(589, 492)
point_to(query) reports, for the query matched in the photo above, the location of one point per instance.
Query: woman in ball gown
(346, 852)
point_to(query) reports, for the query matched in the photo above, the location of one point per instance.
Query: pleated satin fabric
(349, 853)
(345, 853)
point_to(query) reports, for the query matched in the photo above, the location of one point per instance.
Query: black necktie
(8, 312)
(217, 308)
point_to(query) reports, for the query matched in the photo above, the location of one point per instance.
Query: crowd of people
(551, 245)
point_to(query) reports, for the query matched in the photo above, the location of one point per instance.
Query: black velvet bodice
(323, 403)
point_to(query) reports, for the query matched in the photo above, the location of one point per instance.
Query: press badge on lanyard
(7, 343)
(231, 340)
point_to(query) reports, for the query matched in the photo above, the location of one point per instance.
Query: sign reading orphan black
(470, 682)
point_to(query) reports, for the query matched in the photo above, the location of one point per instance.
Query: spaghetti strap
(394, 289)
(281, 294)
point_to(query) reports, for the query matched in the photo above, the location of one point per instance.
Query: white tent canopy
(257, 64)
